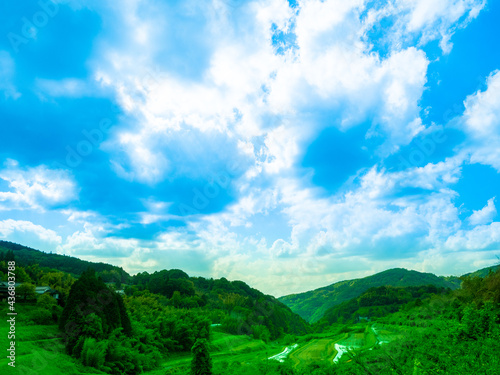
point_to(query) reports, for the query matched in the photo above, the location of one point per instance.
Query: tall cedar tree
(89, 295)
(201, 363)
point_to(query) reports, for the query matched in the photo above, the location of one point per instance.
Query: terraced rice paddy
(316, 350)
(281, 356)
(45, 342)
(333, 349)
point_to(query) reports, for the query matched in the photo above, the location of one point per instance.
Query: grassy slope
(230, 348)
(322, 349)
(39, 350)
(313, 304)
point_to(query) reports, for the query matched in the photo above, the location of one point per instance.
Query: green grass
(40, 351)
(226, 348)
(316, 350)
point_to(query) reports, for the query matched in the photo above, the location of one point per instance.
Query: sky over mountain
(289, 144)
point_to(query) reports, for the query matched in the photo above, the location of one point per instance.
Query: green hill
(312, 305)
(26, 256)
(237, 307)
(379, 301)
(483, 272)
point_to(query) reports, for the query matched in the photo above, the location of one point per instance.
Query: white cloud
(334, 69)
(244, 91)
(224, 93)
(479, 238)
(485, 215)
(35, 187)
(481, 121)
(7, 74)
(422, 21)
(29, 234)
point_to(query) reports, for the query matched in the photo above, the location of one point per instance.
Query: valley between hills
(79, 317)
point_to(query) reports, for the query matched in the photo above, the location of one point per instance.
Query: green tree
(27, 290)
(47, 301)
(201, 363)
(91, 304)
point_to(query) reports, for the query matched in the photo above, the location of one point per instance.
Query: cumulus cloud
(481, 121)
(481, 237)
(241, 90)
(35, 187)
(203, 85)
(247, 91)
(485, 215)
(30, 234)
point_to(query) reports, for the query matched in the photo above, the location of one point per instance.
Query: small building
(4, 289)
(39, 290)
(47, 289)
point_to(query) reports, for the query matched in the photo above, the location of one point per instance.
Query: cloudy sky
(288, 144)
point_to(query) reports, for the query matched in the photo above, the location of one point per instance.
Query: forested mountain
(378, 302)
(163, 315)
(26, 256)
(239, 308)
(312, 305)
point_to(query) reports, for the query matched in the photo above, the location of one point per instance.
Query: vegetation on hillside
(26, 256)
(238, 308)
(312, 305)
(170, 323)
(378, 302)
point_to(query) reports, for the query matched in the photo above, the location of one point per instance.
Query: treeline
(239, 308)
(26, 256)
(378, 302)
(312, 305)
(135, 334)
(452, 333)
(98, 331)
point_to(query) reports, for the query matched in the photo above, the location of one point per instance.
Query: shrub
(93, 353)
(41, 316)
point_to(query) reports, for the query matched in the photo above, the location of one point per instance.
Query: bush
(41, 316)
(47, 301)
(93, 352)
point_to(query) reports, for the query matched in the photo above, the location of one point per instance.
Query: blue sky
(286, 144)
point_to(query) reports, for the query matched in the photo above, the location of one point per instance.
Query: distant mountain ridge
(234, 305)
(72, 265)
(313, 304)
(483, 272)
